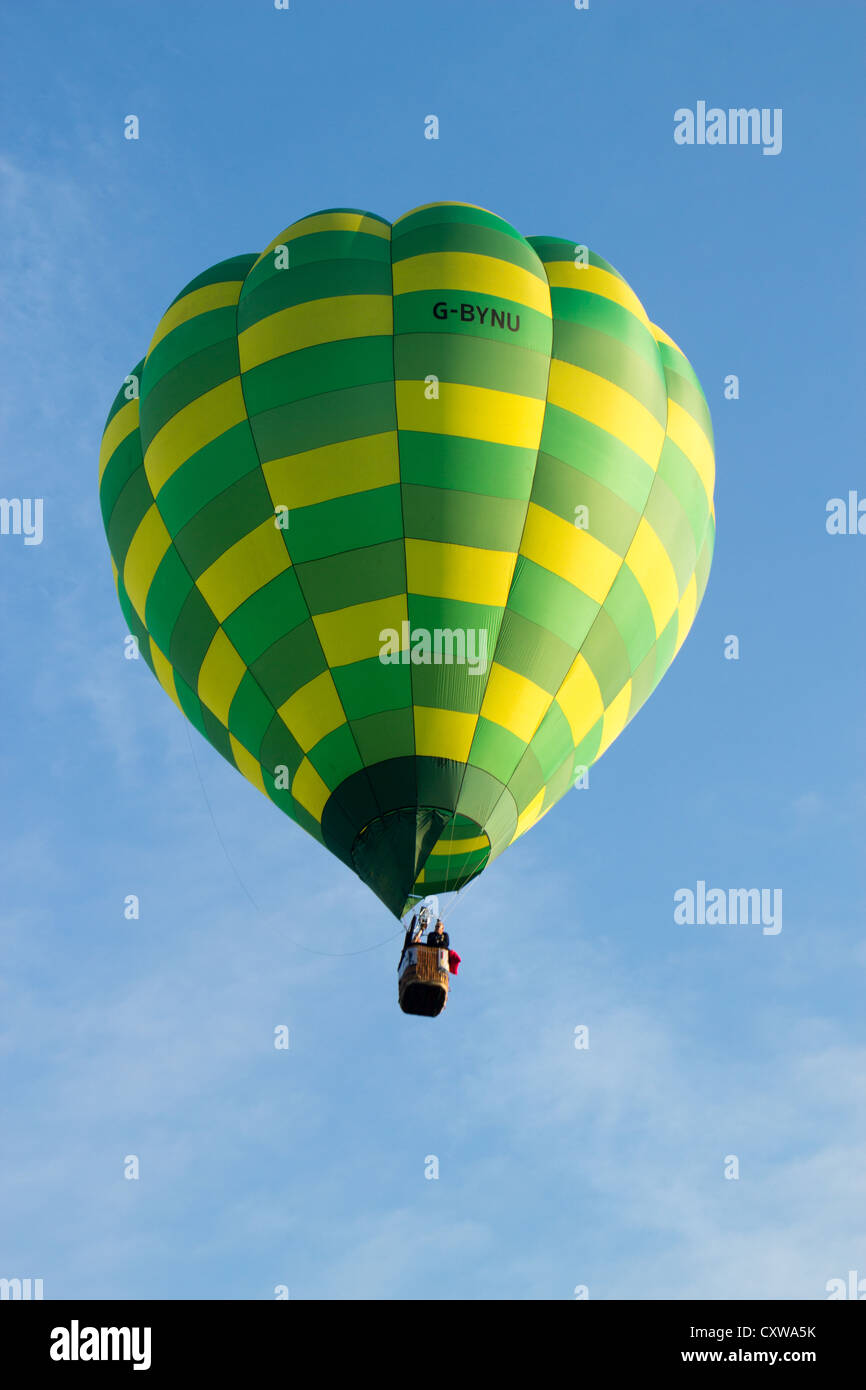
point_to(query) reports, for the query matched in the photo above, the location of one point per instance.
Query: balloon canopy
(409, 520)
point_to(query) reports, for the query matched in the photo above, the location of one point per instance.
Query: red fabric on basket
(453, 962)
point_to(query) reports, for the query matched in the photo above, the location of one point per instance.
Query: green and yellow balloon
(409, 520)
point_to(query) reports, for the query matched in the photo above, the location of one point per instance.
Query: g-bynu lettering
(477, 313)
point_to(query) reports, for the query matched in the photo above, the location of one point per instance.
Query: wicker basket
(424, 979)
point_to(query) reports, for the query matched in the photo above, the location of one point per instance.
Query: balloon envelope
(409, 521)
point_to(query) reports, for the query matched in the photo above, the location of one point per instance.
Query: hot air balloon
(409, 520)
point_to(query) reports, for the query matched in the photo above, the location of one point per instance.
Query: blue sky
(558, 1167)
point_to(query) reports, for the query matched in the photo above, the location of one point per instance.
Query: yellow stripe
(200, 422)
(608, 406)
(443, 733)
(244, 568)
(247, 765)
(476, 274)
(651, 566)
(686, 612)
(217, 296)
(146, 549)
(686, 433)
(567, 551)
(595, 280)
(514, 702)
(164, 672)
(327, 222)
(118, 428)
(445, 845)
(334, 470)
(580, 699)
(615, 718)
(219, 676)
(309, 790)
(337, 222)
(313, 711)
(473, 412)
(439, 569)
(314, 322)
(445, 863)
(529, 817)
(353, 633)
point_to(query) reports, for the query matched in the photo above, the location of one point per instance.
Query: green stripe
(479, 240)
(123, 464)
(188, 339)
(321, 280)
(550, 249)
(329, 418)
(235, 268)
(327, 583)
(437, 514)
(184, 384)
(297, 375)
(497, 366)
(599, 455)
(122, 399)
